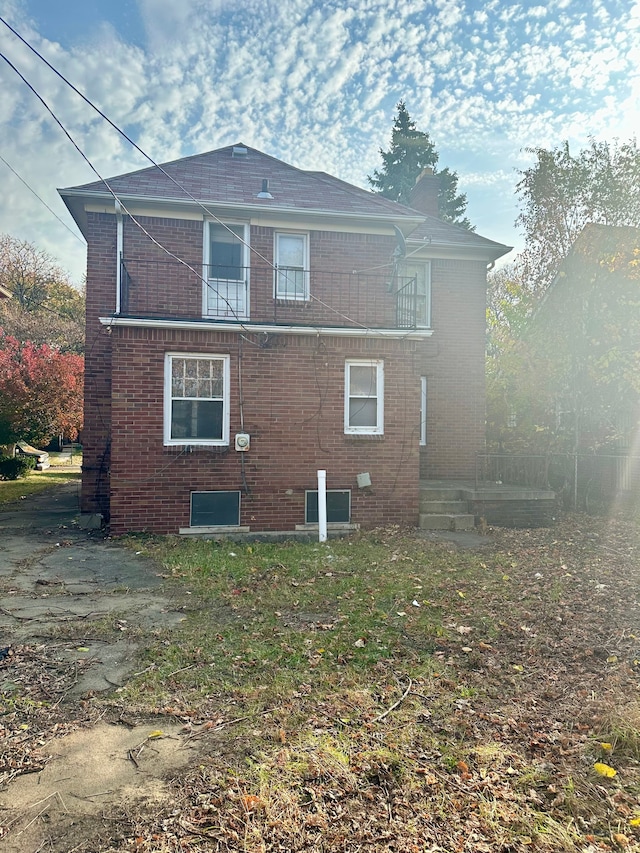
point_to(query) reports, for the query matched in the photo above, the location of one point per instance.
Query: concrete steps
(431, 507)
(442, 508)
(446, 521)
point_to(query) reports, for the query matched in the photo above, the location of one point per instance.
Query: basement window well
(215, 509)
(338, 506)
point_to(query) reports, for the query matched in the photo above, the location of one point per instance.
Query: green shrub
(14, 467)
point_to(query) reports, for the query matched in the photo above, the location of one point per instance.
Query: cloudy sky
(314, 82)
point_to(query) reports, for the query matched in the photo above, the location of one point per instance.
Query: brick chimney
(424, 195)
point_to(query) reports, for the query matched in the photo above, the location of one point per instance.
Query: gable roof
(606, 249)
(598, 243)
(232, 177)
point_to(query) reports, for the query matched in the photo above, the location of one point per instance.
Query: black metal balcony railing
(168, 289)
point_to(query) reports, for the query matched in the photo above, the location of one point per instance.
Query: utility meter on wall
(243, 440)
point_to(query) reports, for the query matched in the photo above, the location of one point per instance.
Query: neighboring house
(586, 335)
(249, 323)
(584, 341)
(4, 293)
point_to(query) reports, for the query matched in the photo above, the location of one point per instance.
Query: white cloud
(315, 82)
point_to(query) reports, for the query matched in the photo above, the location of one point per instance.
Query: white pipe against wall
(119, 250)
(322, 506)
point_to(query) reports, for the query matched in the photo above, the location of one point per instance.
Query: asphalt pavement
(70, 589)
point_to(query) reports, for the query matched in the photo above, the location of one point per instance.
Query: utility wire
(116, 198)
(125, 136)
(113, 193)
(128, 139)
(31, 189)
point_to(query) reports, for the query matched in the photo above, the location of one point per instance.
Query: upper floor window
(196, 399)
(226, 270)
(292, 266)
(417, 277)
(226, 251)
(364, 397)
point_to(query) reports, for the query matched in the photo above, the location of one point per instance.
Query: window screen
(291, 280)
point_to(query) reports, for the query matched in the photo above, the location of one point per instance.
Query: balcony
(170, 290)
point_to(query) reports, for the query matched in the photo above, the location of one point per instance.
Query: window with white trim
(291, 253)
(226, 270)
(364, 397)
(421, 272)
(196, 399)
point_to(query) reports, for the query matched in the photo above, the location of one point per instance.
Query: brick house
(249, 323)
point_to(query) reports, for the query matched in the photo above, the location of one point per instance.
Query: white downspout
(119, 250)
(322, 506)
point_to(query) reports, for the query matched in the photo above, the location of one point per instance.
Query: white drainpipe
(322, 506)
(119, 250)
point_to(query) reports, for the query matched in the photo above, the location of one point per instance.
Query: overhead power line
(122, 133)
(31, 189)
(150, 159)
(105, 182)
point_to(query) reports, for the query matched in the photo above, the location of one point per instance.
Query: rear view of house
(249, 323)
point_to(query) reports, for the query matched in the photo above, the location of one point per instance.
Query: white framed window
(421, 272)
(364, 397)
(226, 270)
(196, 399)
(423, 411)
(291, 254)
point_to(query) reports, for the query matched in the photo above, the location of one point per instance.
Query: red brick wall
(349, 272)
(293, 391)
(101, 300)
(159, 285)
(293, 386)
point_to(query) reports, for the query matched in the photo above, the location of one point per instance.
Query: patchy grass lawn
(36, 481)
(384, 693)
(387, 693)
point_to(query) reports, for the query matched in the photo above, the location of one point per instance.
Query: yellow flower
(604, 770)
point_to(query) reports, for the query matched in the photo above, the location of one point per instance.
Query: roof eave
(75, 200)
(479, 251)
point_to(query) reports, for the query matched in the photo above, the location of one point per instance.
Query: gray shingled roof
(440, 233)
(221, 178)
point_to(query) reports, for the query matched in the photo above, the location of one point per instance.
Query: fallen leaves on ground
(517, 728)
(33, 683)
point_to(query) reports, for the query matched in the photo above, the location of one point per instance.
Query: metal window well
(338, 506)
(215, 509)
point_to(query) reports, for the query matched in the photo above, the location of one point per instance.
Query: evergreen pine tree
(411, 151)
